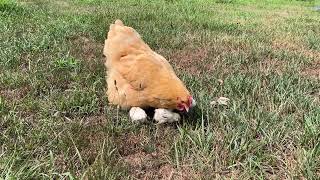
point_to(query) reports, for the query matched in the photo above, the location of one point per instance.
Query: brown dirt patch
(85, 48)
(143, 164)
(273, 18)
(287, 43)
(14, 94)
(150, 166)
(89, 141)
(292, 44)
(129, 144)
(272, 65)
(61, 162)
(94, 141)
(93, 135)
(291, 163)
(312, 70)
(296, 46)
(95, 120)
(312, 54)
(265, 66)
(70, 7)
(191, 59)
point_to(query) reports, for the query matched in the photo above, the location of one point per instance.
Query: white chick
(138, 115)
(165, 115)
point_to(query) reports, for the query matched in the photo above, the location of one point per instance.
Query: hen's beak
(186, 107)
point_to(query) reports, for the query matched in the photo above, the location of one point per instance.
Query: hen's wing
(144, 71)
(133, 59)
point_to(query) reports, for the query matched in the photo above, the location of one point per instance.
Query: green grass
(56, 121)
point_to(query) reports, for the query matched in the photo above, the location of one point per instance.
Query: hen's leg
(165, 115)
(137, 115)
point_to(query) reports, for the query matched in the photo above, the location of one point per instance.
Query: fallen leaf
(220, 101)
(223, 101)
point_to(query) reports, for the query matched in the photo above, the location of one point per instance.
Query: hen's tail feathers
(122, 40)
(118, 22)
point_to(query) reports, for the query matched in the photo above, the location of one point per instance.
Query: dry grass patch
(191, 60)
(294, 45)
(144, 163)
(289, 43)
(312, 70)
(271, 65)
(85, 48)
(14, 94)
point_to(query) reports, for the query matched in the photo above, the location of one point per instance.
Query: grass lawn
(264, 56)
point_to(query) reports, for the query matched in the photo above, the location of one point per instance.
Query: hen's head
(184, 104)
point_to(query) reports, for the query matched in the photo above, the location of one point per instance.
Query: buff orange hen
(139, 77)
